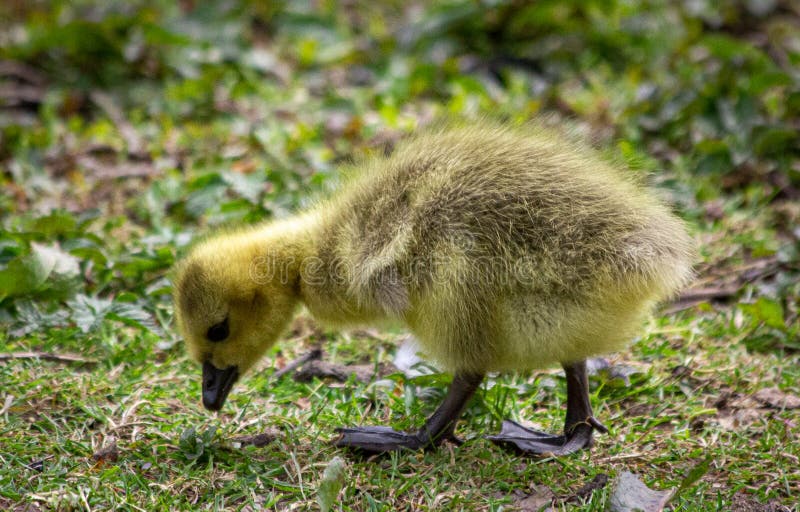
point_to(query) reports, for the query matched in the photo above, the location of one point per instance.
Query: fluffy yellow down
(500, 248)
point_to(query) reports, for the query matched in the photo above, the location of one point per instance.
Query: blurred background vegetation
(127, 127)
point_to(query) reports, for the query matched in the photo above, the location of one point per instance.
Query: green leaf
(695, 474)
(248, 186)
(133, 315)
(193, 445)
(88, 312)
(23, 275)
(44, 268)
(30, 317)
(57, 223)
(768, 311)
(775, 141)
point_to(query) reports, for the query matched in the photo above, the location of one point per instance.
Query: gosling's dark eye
(218, 332)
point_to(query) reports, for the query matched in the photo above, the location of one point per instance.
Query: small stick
(19, 70)
(297, 363)
(136, 146)
(708, 293)
(61, 358)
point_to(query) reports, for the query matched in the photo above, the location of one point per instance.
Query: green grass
(662, 425)
(232, 115)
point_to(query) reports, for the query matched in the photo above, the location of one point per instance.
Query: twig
(61, 358)
(297, 363)
(16, 95)
(136, 147)
(623, 456)
(21, 71)
(582, 494)
(742, 275)
(695, 296)
(714, 292)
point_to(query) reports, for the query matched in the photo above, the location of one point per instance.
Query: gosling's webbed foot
(579, 423)
(536, 442)
(378, 439)
(438, 427)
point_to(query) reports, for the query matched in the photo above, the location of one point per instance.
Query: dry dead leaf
(303, 403)
(107, 454)
(744, 503)
(738, 419)
(774, 397)
(630, 495)
(583, 494)
(736, 412)
(257, 440)
(540, 497)
(244, 166)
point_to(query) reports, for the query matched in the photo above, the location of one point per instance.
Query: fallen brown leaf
(540, 497)
(722, 280)
(744, 503)
(774, 397)
(631, 494)
(582, 494)
(303, 403)
(257, 440)
(736, 412)
(738, 419)
(107, 454)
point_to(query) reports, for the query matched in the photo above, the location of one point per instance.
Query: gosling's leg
(437, 428)
(578, 425)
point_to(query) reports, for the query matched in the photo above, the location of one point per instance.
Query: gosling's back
(502, 247)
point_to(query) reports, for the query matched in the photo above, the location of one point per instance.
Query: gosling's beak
(217, 384)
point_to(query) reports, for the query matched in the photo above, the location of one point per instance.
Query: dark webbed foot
(381, 439)
(536, 442)
(578, 425)
(436, 429)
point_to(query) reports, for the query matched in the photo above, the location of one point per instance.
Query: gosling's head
(230, 308)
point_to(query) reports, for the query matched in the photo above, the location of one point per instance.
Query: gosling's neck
(295, 255)
(276, 251)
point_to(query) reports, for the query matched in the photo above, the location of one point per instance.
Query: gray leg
(578, 425)
(438, 427)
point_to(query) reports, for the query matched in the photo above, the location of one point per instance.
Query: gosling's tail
(662, 256)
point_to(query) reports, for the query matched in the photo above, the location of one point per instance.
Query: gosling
(500, 248)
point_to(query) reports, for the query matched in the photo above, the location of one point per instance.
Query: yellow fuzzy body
(500, 248)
